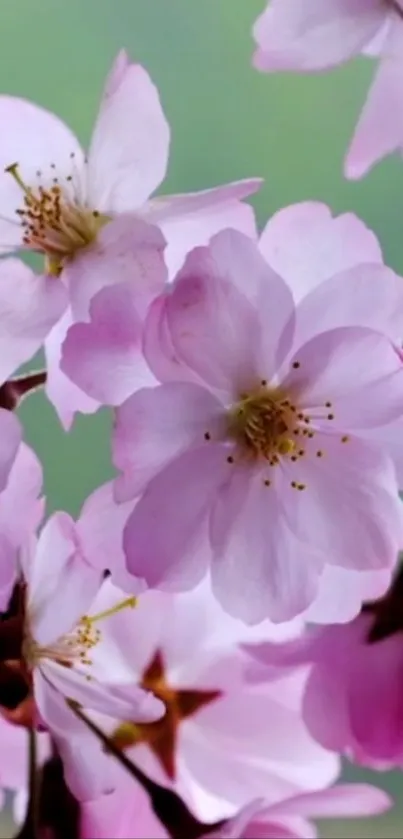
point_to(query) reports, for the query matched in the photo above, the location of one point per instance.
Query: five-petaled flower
(252, 456)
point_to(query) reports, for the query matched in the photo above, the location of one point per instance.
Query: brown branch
(16, 389)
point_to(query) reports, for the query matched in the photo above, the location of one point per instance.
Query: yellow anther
(286, 446)
(125, 735)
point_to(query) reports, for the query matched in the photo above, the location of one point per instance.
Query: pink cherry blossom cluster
(194, 654)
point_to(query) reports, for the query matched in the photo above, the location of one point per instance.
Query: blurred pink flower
(254, 444)
(353, 695)
(313, 35)
(224, 739)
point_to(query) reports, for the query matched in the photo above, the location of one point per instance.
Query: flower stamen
(55, 222)
(75, 647)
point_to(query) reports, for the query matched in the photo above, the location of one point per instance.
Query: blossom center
(264, 423)
(75, 647)
(54, 222)
(161, 736)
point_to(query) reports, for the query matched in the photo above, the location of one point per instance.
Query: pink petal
(158, 347)
(64, 395)
(125, 702)
(380, 128)
(343, 591)
(366, 295)
(50, 141)
(390, 437)
(117, 73)
(101, 524)
(124, 814)
(128, 154)
(165, 533)
(212, 325)
(336, 802)
(88, 770)
(190, 220)
(29, 306)
(104, 357)
(234, 757)
(272, 583)
(350, 508)
(156, 425)
(61, 584)
(350, 367)
(10, 439)
(326, 691)
(8, 571)
(21, 508)
(236, 827)
(254, 820)
(169, 207)
(375, 701)
(308, 35)
(126, 250)
(20, 512)
(100, 530)
(305, 244)
(236, 257)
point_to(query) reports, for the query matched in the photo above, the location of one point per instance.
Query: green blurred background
(228, 122)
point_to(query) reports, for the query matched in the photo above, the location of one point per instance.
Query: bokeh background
(227, 122)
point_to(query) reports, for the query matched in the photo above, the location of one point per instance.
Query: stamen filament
(13, 171)
(130, 602)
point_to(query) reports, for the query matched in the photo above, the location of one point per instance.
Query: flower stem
(397, 9)
(31, 827)
(14, 390)
(33, 784)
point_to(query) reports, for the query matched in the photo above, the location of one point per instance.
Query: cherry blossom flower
(353, 694)
(257, 445)
(307, 246)
(315, 253)
(55, 199)
(223, 739)
(65, 650)
(92, 217)
(320, 34)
